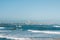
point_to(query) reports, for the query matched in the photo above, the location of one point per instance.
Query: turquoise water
(41, 27)
(4, 39)
(23, 31)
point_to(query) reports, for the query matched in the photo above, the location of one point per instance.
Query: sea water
(25, 31)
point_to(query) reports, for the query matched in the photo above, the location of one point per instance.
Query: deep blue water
(4, 39)
(31, 27)
(25, 33)
(41, 27)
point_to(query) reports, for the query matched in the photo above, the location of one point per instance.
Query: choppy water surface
(5, 39)
(48, 31)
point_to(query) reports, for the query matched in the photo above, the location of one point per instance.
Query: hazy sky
(30, 10)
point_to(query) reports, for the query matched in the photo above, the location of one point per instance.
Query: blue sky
(30, 10)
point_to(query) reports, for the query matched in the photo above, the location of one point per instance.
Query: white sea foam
(2, 27)
(48, 32)
(5, 31)
(56, 26)
(7, 37)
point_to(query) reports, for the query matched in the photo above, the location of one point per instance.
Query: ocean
(5, 39)
(31, 31)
